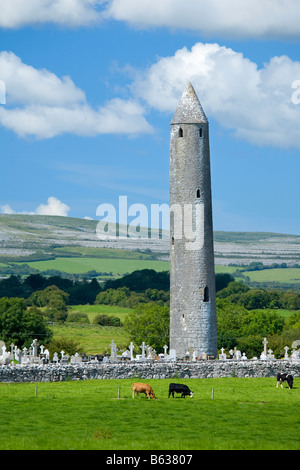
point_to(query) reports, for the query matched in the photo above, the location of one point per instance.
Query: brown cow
(138, 388)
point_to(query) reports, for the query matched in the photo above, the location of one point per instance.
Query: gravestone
(113, 354)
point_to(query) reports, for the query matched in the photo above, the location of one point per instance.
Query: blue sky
(91, 87)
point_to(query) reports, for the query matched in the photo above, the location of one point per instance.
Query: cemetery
(34, 365)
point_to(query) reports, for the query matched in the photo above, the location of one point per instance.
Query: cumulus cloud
(18, 13)
(257, 104)
(6, 209)
(225, 18)
(228, 18)
(43, 105)
(53, 207)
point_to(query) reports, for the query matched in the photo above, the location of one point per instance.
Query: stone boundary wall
(147, 370)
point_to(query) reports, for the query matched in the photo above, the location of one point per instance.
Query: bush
(78, 317)
(107, 320)
(69, 346)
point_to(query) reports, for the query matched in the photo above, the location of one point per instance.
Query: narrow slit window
(206, 295)
(201, 132)
(198, 194)
(180, 133)
(172, 241)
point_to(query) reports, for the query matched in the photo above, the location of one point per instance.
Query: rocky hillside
(25, 236)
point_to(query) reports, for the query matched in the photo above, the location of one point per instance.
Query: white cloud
(229, 18)
(18, 13)
(6, 209)
(53, 207)
(255, 103)
(224, 18)
(43, 105)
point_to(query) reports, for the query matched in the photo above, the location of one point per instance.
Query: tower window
(201, 132)
(172, 242)
(180, 133)
(206, 295)
(198, 193)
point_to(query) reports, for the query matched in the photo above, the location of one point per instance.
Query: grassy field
(107, 265)
(95, 339)
(286, 275)
(86, 415)
(93, 310)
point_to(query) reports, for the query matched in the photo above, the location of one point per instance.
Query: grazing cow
(285, 378)
(138, 388)
(180, 388)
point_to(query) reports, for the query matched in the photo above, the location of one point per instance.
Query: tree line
(244, 315)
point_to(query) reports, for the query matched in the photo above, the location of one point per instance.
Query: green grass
(286, 275)
(93, 310)
(94, 339)
(244, 414)
(82, 265)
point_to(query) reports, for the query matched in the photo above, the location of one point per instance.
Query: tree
(149, 323)
(222, 280)
(233, 288)
(54, 299)
(69, 346)
(20, 325)
(107, 320)
(263, 323)
(229, 316)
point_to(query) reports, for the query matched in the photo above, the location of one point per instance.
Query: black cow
(285, 378)
(180, 388)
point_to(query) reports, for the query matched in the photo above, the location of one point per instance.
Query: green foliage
(107, 320)
(222, 280)
(278, 342)
(54, 299)
(293, 321)
(150, 323)
(69, 346)
(78, 317)
(251, 299)
(20, 325)
(232, 288)
(263, 323)
(124, 297)
(141, 280)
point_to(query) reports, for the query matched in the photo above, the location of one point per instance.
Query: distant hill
(38, 237)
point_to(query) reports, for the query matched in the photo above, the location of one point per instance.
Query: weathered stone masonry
(147, 370)
(193, 324)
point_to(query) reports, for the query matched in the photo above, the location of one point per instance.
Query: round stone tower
(193, 323)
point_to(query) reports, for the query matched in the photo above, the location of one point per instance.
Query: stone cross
(286, 348)
(165, 350)
(265, 342)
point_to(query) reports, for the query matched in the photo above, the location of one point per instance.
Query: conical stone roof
(189, 109)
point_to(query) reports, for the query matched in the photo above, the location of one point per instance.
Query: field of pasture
(242, 414)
